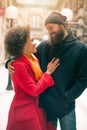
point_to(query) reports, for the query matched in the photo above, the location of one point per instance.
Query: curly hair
(15, 40)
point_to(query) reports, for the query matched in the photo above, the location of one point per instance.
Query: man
(71, 76)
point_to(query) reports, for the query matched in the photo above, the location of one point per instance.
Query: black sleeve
(6, 64)
(81, 81)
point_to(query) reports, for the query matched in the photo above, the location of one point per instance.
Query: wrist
(48, 72)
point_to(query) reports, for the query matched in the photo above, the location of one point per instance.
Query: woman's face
(30, 47)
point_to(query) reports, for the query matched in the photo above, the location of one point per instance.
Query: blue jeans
(68, 122)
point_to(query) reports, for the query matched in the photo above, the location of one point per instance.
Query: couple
(70, 78)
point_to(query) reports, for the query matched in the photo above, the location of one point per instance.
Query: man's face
(56, 32)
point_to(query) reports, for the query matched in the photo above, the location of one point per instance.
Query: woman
(29, 82)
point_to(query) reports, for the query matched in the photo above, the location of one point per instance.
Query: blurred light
(38, 2)
(68, 13)
(45, 37)
(2, 11)
(36, 41)
(11, 12)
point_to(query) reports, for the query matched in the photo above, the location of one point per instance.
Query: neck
(28, 55)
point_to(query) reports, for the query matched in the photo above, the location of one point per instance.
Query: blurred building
(34, 12)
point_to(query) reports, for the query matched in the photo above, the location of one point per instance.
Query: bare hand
(10, 67)
(53, 64)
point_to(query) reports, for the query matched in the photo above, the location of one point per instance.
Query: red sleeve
(24, 80)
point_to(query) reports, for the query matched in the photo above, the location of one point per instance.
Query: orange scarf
(35, 66)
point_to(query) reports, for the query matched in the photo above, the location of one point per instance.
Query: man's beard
(59, 36)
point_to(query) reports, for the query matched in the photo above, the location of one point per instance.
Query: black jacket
(70, 77)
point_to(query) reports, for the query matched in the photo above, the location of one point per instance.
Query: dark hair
(15, 40)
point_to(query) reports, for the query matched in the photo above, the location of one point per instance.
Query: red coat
(24, 113)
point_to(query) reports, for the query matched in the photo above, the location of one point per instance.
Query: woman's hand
(53, 64)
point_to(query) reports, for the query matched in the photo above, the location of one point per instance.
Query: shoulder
(43, 44)
(18, 64)
(21, 68)
(81, 45)
(83, 52)
(21, 62)
(42, 48)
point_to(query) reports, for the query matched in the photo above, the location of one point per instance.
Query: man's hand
(10, 67)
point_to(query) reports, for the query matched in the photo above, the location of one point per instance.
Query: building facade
(34, 14)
